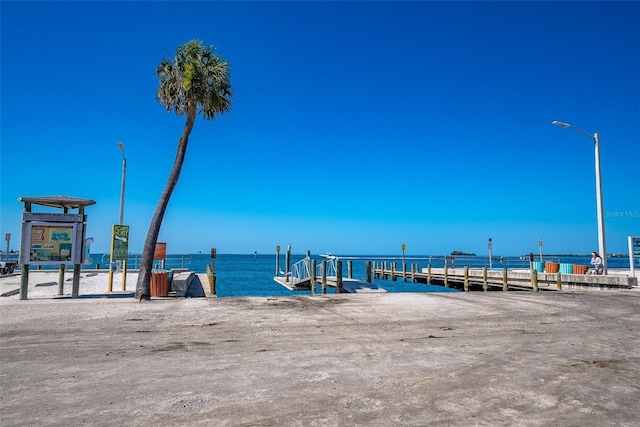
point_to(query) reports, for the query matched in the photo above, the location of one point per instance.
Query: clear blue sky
(355, 126)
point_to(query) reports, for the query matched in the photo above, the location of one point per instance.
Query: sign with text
(119, 242)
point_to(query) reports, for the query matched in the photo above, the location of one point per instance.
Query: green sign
(119, 242)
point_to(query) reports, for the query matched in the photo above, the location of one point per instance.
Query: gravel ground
(487, 359)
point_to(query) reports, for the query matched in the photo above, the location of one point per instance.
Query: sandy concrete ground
(488, 359)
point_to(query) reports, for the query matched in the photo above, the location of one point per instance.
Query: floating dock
(352, 286)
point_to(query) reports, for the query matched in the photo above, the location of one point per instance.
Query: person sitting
(596, 262)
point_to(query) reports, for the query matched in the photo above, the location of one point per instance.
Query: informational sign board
(119, 242)
(160, 251)
(52, 243)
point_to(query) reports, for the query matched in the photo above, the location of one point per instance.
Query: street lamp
(124, 178)
(600, 210)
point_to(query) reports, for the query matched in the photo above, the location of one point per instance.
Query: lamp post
(124, 179)
(600, 210)
(120, 222)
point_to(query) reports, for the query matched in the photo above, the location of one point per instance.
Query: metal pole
(602, 246)
(124, 179)
(601, 237)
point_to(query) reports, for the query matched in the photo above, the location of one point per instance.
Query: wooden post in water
(404, 271)
(324, 276)
(350, 269)
(338, 276)
(384, 270)
(466, 278)
(277, 260)
(61, 280)
(534, 279)
(428, 274)
(446, 276)
(288, 262)
(367, 272)
(485, 282)
(313, 277)
(559, 282)
(393, 272)
(505, 280)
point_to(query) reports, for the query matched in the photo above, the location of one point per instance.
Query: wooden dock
(347, 285)
(482, 279)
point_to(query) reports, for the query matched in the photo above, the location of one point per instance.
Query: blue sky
(355, 126)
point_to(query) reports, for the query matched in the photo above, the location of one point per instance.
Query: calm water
(249, 275)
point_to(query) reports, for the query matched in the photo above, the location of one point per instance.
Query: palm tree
(195, 81)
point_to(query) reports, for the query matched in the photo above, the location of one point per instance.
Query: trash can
(538, 266)
(551, 267)
(580, 269)
(159, 286)
(566, 268)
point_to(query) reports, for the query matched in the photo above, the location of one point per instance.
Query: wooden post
(24, 281)
(393, 272)
(367, 273)
(324, 276)
(288, 263)
(428, 274)
(534, 280)
(61, 280)
(404, 271)
(350, 269)
(75, 289)
(485, 282)
(559, 283)
(277, 260)
(313, 277)
(24, 270)
(338, 276)
(384, 269)
(466, 278)
(446, 276)
(505, 280)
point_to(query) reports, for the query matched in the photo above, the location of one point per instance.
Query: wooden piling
(485, 281)
(446, 276)
(428, 274)
(338, 276)
(367, 273)
(75, 288)
(384, 270)
(505, 280)
(277, 260)
(404, 271)
(61, 280)
(534, 280)
(288, 263)
(313, 277)
(466, 278)
(393, 272)
(350, 269)
(559, 282)
(324, 276)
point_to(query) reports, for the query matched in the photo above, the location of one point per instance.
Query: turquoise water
(252, 275)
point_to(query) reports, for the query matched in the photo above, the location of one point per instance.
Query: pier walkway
(484, 279)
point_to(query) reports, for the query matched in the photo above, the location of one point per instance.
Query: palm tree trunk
(146, 263)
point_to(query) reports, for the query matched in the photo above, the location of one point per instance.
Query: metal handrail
(171, 261)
